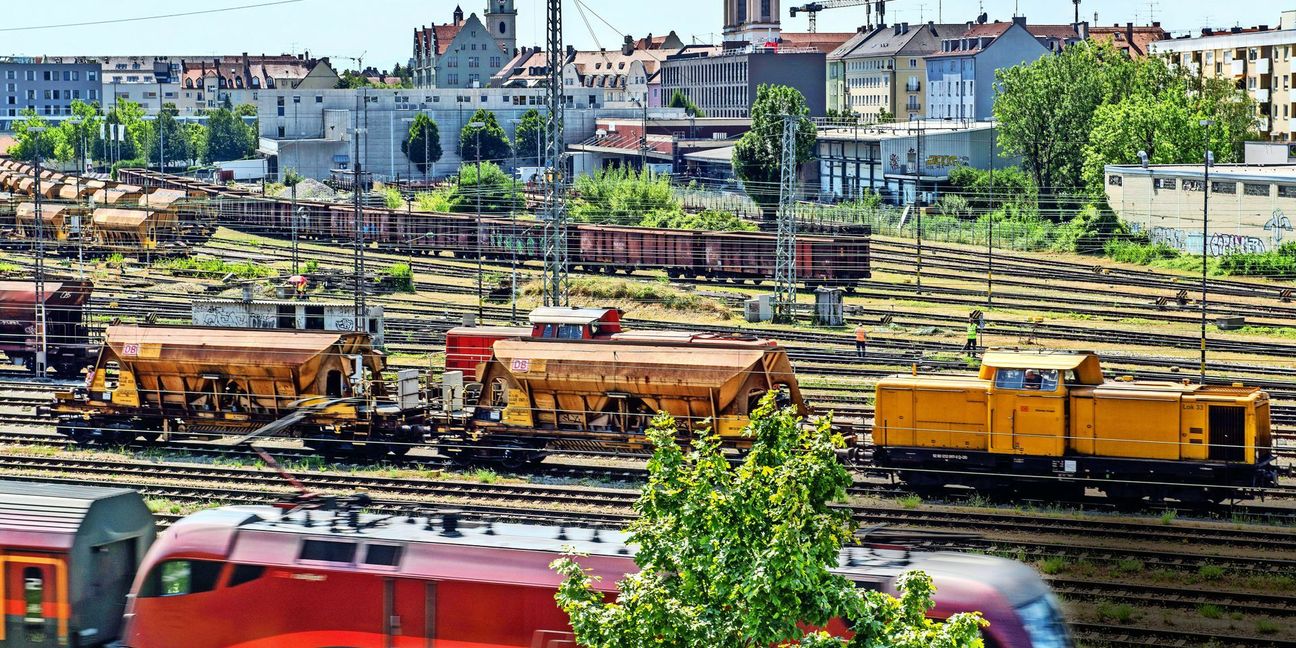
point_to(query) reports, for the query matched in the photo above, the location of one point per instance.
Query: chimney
(1129, 32)
(628, 47)
(1019, 20)
(896, 30)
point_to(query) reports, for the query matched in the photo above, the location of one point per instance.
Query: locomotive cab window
(181, 578)
(1041, 380)
(328, 551)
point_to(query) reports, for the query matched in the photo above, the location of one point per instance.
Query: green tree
(1165, 123)
(734, 557)
(679, 99)
(77, 136)
(423, 143)
(758, 154)
(197, 136)
(494, 142)
(500, 194)
(29, 137)
(985, 191)
(529, 136)
(1045, 109)
(129, 117)
(228, 136)
(178, 147)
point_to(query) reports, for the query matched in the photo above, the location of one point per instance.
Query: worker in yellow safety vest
(972, 331)
(861, 341)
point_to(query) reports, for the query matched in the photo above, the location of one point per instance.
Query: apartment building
(884, 70)
(1258, 60)
(466, 52)
(47, 86)
(961, 73)
(626, 78)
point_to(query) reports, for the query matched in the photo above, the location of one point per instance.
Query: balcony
(1291, 125)
(1261, 95)
(1239, 67)
(913, 106)
(913, 86)
(1263, 66)
(1262, 124)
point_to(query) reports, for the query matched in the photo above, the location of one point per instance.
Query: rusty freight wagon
(541, 395)
(190, 381)
(67, 340)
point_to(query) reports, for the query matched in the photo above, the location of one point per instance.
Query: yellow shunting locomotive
(1050, 422)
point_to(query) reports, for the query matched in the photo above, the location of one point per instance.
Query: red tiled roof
(1118, 36)
(445, 34)
(824, 42)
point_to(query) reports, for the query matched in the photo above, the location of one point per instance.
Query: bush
(709, 220)
(392, 197)
(1279, 264)
(1089, 231)
(215, 268)
(1127, 251)
(598, 290)
(402, 276)
(499, 193)
(622, 196)
(440, 201)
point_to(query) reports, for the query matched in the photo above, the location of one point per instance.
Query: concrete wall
(1257, 216)
(805, 72)
(316, 130)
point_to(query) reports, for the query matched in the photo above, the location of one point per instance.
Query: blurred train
(97, 216)
(837, 255)
(1049, 423)
(67, 345)
(332, 575)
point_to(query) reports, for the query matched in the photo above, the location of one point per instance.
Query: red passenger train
(260, 577)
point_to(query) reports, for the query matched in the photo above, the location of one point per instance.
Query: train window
(572, 332)
(328, 551)
(245, 574)
(34, 595)
(180, 578)
(384, 555)
(1027, 379)
(549, 331)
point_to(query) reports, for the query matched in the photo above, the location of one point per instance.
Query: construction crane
(814, 8)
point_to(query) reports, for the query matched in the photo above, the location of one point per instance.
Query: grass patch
(909, 501)
(1210, 611)
(1168, 516)
(1210, 572)
(1121, 613)
(1285, 332)
(1266, 626)
(214, 268)
(1054, 565)
(402, 276)
(601, 290)
(1130, 565)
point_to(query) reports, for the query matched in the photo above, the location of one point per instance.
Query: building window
(1255, 189)
(1165, 183)
(1194, 185)
(1224, 187)
(1287, 191)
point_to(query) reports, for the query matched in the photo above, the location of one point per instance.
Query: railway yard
(1156, 574)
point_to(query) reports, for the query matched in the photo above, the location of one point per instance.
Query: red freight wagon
(67, 341)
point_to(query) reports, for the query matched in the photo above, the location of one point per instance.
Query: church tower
(750, 22)
(501, 20)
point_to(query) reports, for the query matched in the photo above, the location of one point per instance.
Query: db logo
(130, 350)
(521, 365)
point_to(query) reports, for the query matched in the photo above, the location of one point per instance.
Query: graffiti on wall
(1219, 244)
(1276, 225)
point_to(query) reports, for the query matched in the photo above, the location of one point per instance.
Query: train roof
(693, 337)
(235, 301)
(68, 293)
(49, 212)
(1084, 363)
(559, 315)
(121, 218)
(429, 547)
(53, 516)
(200, 345)
(162, 198)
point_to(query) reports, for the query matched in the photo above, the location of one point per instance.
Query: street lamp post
(1208, 161)
(478, 127)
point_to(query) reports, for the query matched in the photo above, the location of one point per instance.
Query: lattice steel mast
(555, 216)
(785, 278)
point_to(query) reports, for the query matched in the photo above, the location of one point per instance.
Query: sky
(381, 31)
